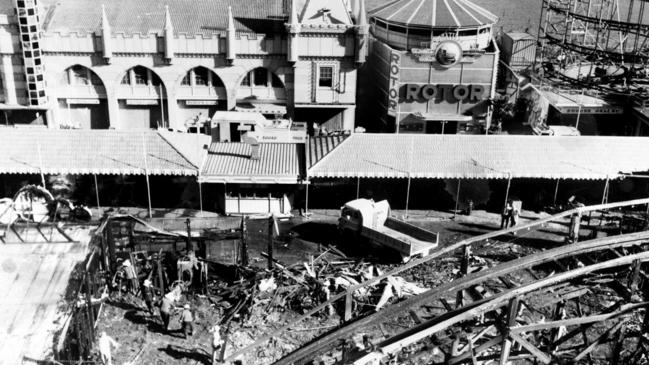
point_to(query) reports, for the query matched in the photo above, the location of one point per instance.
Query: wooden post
(358, 186)
(40, 163)
(244, 243)
(270, 241)
(509, 184)
(91, 315)
(200, 196)
(457, 197)
(408, 195)
(97, 191)
(306, 203)
(556, 192)
(511, 321)
(348, 306)
(146, 173)
(188, 246)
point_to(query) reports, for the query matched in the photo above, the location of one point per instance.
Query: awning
(263, 108)
(86, 152)
(9, 107)
(443, 117)
(484, 157)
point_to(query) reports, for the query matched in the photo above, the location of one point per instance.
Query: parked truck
(371, 220)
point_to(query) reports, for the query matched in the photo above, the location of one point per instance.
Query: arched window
(201, 76)
(80, 75)
(262, 77)
(140, 76)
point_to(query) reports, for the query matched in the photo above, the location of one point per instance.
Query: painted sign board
(201, 102)
(469, 93)
(141, 102)
(83, 101)
(393, 83)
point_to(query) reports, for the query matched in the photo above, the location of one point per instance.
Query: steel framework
(602, 43)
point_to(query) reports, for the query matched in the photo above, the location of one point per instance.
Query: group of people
(509, 216)
(167, 308)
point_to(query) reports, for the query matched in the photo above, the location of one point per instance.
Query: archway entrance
(81, 100)
(263, 92)
(200, 95)
(142, 99)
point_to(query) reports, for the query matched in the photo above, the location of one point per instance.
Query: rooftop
(31, 151)
(483, 157)
(278, 163)
(193, 17)
(435, 13)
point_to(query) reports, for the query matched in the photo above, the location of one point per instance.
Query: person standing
(514, 217)
(105, 343)
(165, 311)
(507, 214)
(187, 320)
(216, 343)
(147, 295)
(131, 276)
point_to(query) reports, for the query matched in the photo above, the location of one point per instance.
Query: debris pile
(264, 300)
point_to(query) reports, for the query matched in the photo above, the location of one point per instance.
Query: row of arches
(142, 96)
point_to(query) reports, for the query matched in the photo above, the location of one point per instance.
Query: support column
(113, 112)
(349, 118)
(8, 81)
(173, 113)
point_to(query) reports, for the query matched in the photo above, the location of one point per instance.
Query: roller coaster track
(569, 302)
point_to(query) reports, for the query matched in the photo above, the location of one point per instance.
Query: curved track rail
(470, 291)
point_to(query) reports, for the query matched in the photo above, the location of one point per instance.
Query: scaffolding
(601, 44)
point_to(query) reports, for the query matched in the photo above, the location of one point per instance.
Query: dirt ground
(142, 339)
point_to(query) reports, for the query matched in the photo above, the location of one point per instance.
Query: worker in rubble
(130, 274)
(187, 321)
(165, 310)
(105, 343)
(217, 342)
(147, 295)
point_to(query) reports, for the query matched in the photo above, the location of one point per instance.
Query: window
(126, 80)
(246, 80)
(260, 77)
(78, 76)
(325, 78)
(201, 76)
(276, 81)
(185, 81)
(140, 75)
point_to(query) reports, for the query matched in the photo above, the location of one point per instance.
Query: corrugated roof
(83, 152)
(36, 277)
(187, 16)
(489, 157)
(435, 13)
(230, 162)
(320, 146)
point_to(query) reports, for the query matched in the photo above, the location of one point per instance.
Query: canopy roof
(435, 14)
(278, 163)
(82, 152)
(483, 157)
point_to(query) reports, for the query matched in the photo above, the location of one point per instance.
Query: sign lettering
(393, 89)
(469, 93)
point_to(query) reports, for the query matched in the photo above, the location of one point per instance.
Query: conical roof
(435, 13)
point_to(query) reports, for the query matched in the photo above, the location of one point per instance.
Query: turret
(293, 27)
(169, 36)
(231, 34)
(106, 37)
(362, 33)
